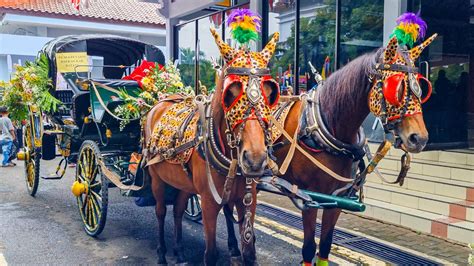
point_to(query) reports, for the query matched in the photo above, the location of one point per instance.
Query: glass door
(449, 114)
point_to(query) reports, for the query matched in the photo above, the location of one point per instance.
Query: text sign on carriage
(72, 62)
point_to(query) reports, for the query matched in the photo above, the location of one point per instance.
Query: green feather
(402, 37)
(244, 36)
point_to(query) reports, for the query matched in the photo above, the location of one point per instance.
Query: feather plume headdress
(245, 25)
(410, 28)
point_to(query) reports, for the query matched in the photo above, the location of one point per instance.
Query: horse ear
(391, 50)
(269, 49)
(416, 51)
(226, 51)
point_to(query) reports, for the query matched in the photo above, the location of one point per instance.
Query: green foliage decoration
(29, 84)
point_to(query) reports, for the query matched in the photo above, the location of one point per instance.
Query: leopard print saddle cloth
(280, 113)
(177, 126)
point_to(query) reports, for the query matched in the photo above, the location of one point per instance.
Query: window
(449, 113)
(186, 53)
(317, 39)
(208, 49)
(281, 18)
(361, 28)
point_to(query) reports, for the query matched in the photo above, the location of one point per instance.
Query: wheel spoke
(96, 208)
(89, 212)
(97, 196)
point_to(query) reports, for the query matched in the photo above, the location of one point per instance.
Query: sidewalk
(395, 234)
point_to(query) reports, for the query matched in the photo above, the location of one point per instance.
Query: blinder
(248, 104)
(394, 88)
(396, 92)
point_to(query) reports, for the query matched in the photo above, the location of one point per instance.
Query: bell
(79, 188)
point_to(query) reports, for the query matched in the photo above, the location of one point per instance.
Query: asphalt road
(47, 229)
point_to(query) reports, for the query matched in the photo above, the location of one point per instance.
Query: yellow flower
(131, 108)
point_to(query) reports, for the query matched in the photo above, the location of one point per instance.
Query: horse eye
(231, 94)
(401, 90)
(271, 91)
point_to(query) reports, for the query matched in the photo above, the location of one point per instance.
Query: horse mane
(345, 88)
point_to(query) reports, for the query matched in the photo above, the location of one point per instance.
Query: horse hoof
(162, 262)
(236, 260)
(235, 252)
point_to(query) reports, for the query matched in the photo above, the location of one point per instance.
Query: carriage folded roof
(123, 50)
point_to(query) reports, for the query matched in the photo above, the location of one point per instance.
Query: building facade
(438, 195)
(26, 25)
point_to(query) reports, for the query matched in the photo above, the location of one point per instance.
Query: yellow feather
(411, 29)
(246, 23)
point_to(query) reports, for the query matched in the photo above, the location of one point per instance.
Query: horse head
(248, 95)
(396, 95)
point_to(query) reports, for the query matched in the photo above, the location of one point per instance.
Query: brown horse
(345, 100)
(238, 110)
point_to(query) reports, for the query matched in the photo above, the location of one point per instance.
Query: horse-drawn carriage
(86, 73)
(307, 147)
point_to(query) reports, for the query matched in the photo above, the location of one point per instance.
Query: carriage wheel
(32, 161)
(193, 211)
(93, 198)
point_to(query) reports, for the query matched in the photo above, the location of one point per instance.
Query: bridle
(396, 87)
(250, 104)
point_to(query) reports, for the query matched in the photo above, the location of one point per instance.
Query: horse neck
(344, 98)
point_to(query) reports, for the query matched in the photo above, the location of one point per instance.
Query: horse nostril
(414, 138)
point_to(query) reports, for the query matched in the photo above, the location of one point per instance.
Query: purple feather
(241, 12)
(414, 19)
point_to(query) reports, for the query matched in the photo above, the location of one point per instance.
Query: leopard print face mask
(250, 74)
(252, 103)
(396, 92)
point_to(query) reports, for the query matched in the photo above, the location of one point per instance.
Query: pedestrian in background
(7, 136)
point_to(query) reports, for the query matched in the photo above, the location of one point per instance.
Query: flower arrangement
(157, 82)
(29, 84)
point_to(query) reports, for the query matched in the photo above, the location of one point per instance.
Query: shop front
(330, 33)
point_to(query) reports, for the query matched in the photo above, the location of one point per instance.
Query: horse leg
(309, 227)
(158, 189)
(249, 256)
(329, 221)
(210, 210)
(180, 205)
(232, 243)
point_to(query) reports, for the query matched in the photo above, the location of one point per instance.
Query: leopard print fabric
(276, 134)
(413, 106)
(239, 112)
(166, 131)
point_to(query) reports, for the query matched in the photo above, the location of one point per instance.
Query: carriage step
(51, 177)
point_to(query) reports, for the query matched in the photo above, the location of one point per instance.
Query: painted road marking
(417, 253)
(3, 261)
(335, 249)
(296, 243)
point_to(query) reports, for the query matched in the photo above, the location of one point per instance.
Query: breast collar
(315, 134)
(215, 148)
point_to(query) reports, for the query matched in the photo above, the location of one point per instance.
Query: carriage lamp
(23, 156)
(86, 120)
(79, 188)
(108, 133)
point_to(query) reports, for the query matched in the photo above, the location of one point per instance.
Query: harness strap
(102, 103)
(305, 153)
(202, 102)
(293, 141)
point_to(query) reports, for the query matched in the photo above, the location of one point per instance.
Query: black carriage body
(74, 63)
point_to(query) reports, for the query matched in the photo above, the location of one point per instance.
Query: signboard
(225, 3)
(72, 62)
